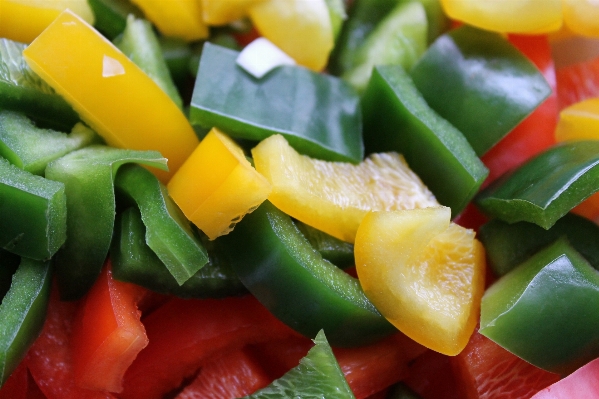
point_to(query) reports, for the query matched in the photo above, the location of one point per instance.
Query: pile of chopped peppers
(372, 199)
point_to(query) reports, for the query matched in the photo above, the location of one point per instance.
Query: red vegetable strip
(431, 377)
(16, 385)
(107, 333)
(578, 82)
(581, 384)
(185, 334)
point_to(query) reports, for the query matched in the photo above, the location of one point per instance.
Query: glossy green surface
(545, 310)
(396, 118)
(318, 114)
(33, 211)
(278, 266)
(507, 245)
(23, 312)
(88, 176)
(317, 376)
(480, 83)
(546, 187)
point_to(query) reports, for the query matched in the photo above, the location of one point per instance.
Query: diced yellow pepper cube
(110, 93)
(176, 18)
(24, 20)
(217, 185)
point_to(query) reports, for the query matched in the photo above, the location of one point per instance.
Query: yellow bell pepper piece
(219, 12)
(579, 121)
(24, 20)
(423, 273)
(176, 18)
(217, 185)
(582, 17)
(110, 93)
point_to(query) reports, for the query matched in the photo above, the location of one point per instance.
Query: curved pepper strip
(23, 311)
(33, 211)
(88, 176)
(279, 266)
(488, 85)
(168, 232)
(134, 262)
(545, 310)
(546, 187)
(508, 245)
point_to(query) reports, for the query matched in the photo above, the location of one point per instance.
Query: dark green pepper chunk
(111, 15)
(546, 187)
(23, 312)
(278, 266)
(317, 376)
(318, 114)
(134, 262)
(396, 118)
(480, 83)
(32, 148)
(545, 310)
(168, 232)
(508, 245)
(88, 176)
(23, 91)
(177, 54)
(33, 211)
(336, 251)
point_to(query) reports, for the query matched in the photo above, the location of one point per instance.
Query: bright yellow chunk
(24, 20)
(110, 93)
(176, 18)
(300, 28)
(513, 16)
(219, 12)
(217, 185)
(582, 16)
(423, 273)
(579, 121)
(335, 196)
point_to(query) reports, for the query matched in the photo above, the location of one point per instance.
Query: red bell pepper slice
(233, 375)
(431, 377)
(578, 82)
(185, 334)
(107, 333)
(16, 385)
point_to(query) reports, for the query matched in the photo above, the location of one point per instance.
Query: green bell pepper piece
(33, 211)
(140, 44)
(32, 148)
(23, 91)
(317, 376)
(177, 55)
(400, 38)
(545, 310)
(336, 251)
(23, 312)
(480, 83)
(546, 187)
(278, 266)
(396, 118)
(88, 176)
(508, 245)
(134, 262)
(319, 115)
(111, 15)
(9, 263)
(168, 232)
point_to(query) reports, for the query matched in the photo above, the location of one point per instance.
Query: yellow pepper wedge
(177, 18)
(24, 20)
(110, 93)
(217, 185)
(579, 121)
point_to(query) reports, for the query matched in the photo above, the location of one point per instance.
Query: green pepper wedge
(397, 118)
(23, 312)
(545, 310)
(278, 266)
(546, 187)
(319, 115)
(480, 83)
(168, 232)
(88, 176)
(507, 245)
(33, 211)
(134, 262)
(338, 252)
(111, 15)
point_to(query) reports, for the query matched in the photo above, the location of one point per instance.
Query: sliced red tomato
(581, 384)
(431, 376)
(578, 82)
(107, 333)
(233, 375)
(50, 358)
(185, 334)
(487, 371)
